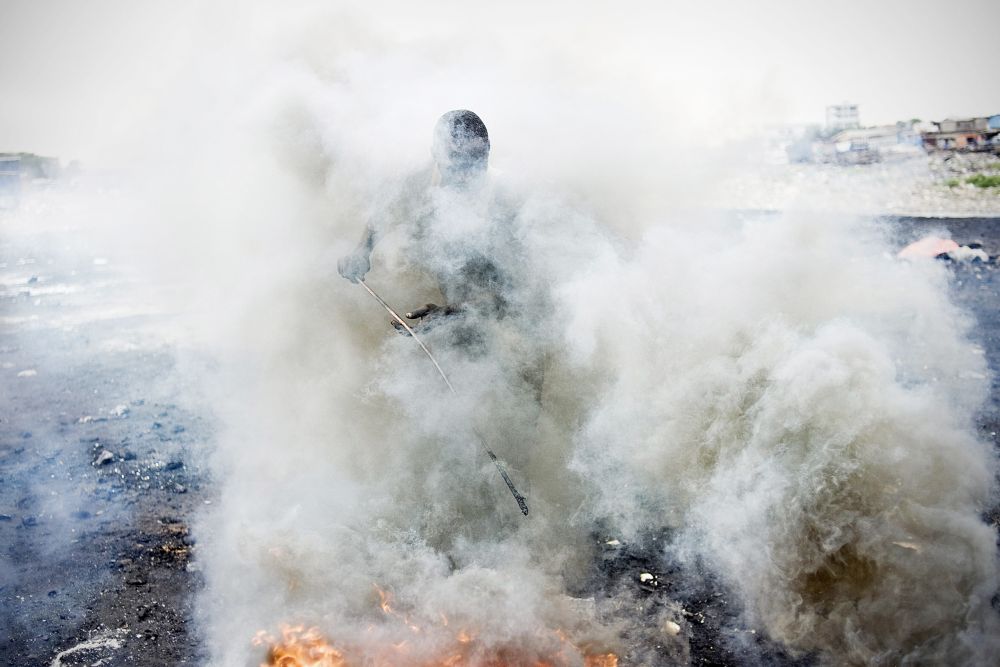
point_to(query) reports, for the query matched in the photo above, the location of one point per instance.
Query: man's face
(460, 152)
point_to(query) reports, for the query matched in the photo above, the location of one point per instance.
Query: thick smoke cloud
(793, 403)
(801, 412)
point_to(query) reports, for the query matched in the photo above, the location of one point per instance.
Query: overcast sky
(72, 72)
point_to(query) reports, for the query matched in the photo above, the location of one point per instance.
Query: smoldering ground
(778, 396)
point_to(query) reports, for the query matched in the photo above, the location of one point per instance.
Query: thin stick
(521, 502)
(411, 332)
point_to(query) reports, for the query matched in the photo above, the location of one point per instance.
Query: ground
(96, 483)
(100, 473)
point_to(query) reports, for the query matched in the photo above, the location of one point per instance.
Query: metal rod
(411, 332)
(521, 502)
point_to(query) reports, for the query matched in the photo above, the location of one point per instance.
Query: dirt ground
(100, 473)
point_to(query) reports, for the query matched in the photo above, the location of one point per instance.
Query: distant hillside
(29, 165)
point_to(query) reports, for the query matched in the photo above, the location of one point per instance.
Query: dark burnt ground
(97, 478)
(710, 627)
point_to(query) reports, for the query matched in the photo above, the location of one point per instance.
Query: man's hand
(426, 316)
(355, 266)
(429, 310)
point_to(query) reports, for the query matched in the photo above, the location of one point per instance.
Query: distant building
(964, 134)
(842, 117)
(864, 145)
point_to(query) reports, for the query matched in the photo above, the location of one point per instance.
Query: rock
(174, 465)
(967, 254)
(29, 521)
(6, 517)
(646, 577)
(671, 628)
(179, 488)
(613, 543)
(174, 528)
(103, 457)
(135, 579)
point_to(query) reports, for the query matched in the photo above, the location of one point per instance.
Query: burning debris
(405, 643)
(298, 646)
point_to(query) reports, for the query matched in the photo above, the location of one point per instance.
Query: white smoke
(791, 401)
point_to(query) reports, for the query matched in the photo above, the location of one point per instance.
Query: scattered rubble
(928, 186)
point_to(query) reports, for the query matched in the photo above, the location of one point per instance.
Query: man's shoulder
(418, 180)
(504, 192)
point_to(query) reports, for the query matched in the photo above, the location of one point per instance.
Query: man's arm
(398, 207)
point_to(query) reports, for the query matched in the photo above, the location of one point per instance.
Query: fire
(306, 647)
(299, 646)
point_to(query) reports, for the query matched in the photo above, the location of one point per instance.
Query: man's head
(461, 147)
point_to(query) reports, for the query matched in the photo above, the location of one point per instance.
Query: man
(462, 234)
(457, 230)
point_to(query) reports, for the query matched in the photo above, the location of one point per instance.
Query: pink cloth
(929, 246)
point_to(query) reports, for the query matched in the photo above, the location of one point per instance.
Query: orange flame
(299, 646)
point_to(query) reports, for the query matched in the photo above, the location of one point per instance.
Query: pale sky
(71, 73)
